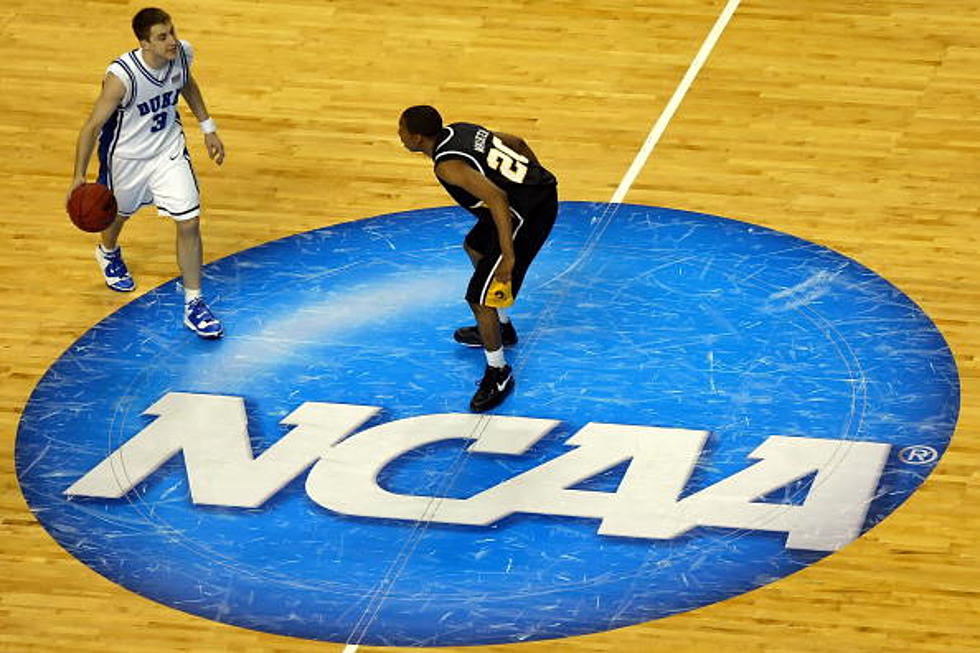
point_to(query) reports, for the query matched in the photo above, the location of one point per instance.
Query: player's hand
(216, 149)
(504, 270)
(75, 183)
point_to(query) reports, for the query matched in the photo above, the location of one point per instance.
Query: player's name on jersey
(480, 140)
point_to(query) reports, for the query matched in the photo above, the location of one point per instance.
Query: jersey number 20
(510, 164)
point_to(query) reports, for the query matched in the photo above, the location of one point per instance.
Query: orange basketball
(92, 207)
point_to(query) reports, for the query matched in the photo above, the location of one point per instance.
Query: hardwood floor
(852, 125)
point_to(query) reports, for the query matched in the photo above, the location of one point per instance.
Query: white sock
(108, 251)
(191, 295)
(502, 314)
(495, 358)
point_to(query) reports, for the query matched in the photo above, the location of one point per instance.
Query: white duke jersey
(146, 123)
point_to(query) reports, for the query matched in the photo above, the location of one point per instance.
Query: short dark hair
(145, 19)
(422, 119)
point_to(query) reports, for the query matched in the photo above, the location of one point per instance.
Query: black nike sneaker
(496, 384)
(470, 335)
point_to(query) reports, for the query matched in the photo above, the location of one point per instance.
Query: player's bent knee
(474, 255)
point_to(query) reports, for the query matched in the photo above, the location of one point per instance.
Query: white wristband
(208, 126)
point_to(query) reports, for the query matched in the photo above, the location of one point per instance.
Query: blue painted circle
(632, 315)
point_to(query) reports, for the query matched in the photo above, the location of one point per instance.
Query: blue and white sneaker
(199, 319)
(114, 269)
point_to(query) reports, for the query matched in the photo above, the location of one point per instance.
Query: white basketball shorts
(167, 181)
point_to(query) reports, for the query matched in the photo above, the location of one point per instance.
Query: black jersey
(523, 181)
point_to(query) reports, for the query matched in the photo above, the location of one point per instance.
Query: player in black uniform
(498, 179)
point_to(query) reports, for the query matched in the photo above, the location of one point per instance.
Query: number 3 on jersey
(159, 121)
(510, 164)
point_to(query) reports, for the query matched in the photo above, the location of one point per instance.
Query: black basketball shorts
(531, 224)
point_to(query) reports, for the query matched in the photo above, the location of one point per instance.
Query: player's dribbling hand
(75, 183)
(216, 149)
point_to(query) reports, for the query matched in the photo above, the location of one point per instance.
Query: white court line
(661, 125)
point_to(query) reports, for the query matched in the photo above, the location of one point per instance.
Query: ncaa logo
(703, 407)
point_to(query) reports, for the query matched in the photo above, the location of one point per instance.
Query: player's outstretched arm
(195, 100)
(110, 97)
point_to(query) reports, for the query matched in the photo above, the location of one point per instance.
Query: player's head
(155, 31)
(418, 125)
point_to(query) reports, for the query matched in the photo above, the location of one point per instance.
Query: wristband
(208, 126)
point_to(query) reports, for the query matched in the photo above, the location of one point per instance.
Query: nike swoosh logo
(501, 386)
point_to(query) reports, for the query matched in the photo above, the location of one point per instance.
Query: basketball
(92, 207)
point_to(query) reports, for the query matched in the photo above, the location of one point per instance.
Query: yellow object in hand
(499, 295)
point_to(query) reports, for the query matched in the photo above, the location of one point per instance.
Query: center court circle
(630, 315)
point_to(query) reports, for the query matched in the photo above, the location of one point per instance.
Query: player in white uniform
(143, 157)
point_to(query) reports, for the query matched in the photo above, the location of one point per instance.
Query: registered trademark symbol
(918, 455)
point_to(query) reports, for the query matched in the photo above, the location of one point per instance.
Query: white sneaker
(114, 269)
(199, 319)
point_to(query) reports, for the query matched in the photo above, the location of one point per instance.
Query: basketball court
(764, 253)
